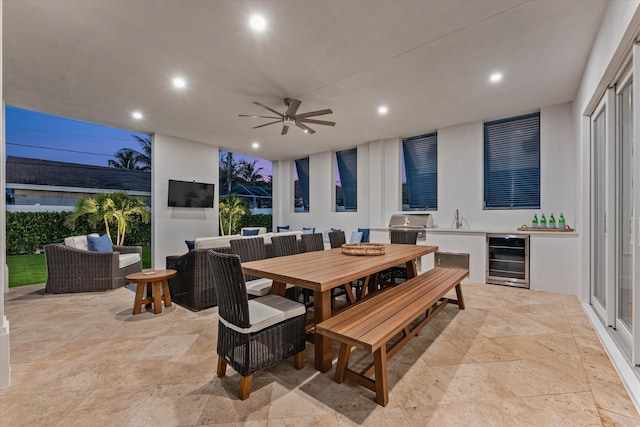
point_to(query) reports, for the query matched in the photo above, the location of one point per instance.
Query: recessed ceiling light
(382, 110)
(255, 145)
(306, 131)
(257, 22)
(495, 77)
(179, 83)
(137, 115)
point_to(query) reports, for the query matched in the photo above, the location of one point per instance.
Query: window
(347, 180)
(512, 163)
(421, 169)
(301, 185)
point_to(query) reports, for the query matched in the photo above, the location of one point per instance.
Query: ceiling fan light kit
(290, 118)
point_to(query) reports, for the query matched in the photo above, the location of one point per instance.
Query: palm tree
(229, 209)
(228, 171)
(128, 158)
(97, 209)
(125, 158)
(144, 158)
(116, 208)
(125, 210)
(249, 172)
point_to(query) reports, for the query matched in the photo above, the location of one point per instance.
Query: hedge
(28, 232)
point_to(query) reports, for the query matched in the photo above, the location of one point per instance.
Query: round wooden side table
(157, 289)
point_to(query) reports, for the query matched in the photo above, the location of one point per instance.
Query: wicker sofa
(71, 267)
(193, 285)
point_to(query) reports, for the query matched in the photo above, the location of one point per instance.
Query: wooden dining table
(324, 270)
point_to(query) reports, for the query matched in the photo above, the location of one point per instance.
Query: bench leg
(343, 362)
(382, 388)
(459, 296)
(245, 386)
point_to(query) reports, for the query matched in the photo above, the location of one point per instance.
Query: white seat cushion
(259, 287)
(288, 307)
(128, 259)
(79, 242)
(261, 316)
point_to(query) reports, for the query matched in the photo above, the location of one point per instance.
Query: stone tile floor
(514, 357)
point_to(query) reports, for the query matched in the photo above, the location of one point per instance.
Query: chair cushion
(261, 316)
(249, 232)
(288, 307)
(356, 237)
(125, 260)
(100, 244)
(365, 234)
(79, 242)
(281, 228)
(259, 287)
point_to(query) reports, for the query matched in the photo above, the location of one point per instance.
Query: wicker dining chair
(284, 246)
(253, 334)
(398, 273)
(313, 242)
(252, 249)
(337, 239)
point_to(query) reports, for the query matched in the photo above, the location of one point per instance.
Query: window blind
(512, 163)
(421, 166)
(302, 167)
(348, 171)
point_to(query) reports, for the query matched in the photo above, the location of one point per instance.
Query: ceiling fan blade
(313, 113)
(305, 127)
(259, 117)
(294, 104)
(317, 122)
(266, 124)
(285, 129)
(270, 109)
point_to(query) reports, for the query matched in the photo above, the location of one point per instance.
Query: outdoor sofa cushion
(125, 260)
(79, 242)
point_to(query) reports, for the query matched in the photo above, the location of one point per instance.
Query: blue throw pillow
(335, 229)
(308, 230)
(191, 244)
(282, 228)
(250, 232)
(365, 234)
(100, 244)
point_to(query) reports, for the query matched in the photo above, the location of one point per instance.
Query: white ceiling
(429, 61)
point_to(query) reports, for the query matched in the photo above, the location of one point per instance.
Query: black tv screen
(190, 194)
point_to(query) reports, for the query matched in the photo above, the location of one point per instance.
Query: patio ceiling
(428, 61)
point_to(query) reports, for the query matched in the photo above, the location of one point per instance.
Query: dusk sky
(42, 136)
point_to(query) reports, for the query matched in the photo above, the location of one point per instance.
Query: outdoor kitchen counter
(486, 231)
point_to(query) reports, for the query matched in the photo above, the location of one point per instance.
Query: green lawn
(31, 269)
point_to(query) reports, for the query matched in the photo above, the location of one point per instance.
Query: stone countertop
(487, 231)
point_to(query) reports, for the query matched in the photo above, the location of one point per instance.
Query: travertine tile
(514, 357)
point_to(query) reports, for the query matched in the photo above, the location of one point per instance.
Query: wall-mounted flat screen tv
(190, 194)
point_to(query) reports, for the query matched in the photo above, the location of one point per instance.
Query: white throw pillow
(356, 237)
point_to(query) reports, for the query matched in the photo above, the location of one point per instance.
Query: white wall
(175, 158)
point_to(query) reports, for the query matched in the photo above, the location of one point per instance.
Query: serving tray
(559, 230)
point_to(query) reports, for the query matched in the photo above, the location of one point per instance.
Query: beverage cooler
(508, 259)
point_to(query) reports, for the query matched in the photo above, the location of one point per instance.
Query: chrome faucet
(458, 222)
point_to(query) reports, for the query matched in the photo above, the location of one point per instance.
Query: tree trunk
(229, 173)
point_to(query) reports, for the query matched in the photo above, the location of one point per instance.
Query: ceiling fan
(290, 118)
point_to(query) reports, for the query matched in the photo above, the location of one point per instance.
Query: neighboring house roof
(247, 190)
(21, 170)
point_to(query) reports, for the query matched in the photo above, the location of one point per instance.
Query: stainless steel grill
(418, 222)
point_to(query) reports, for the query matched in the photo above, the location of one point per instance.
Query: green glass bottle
(534, 223)
(543, 221)
(552, 221)
(561, 222)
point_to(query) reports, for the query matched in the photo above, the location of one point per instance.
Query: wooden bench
(369, 325)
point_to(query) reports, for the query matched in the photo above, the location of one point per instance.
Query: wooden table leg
(322, 311)
(278, 288)
(166, 294)
(149, 294)
(412, 271)
(157, 298)
(137, 304)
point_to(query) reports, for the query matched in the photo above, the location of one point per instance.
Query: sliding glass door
(598, 210)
